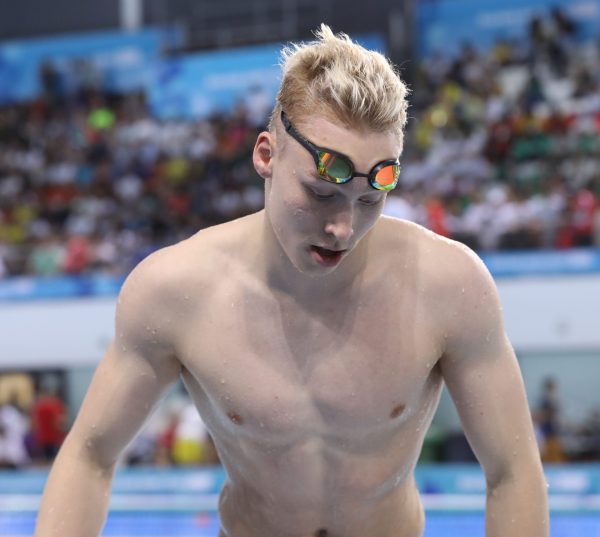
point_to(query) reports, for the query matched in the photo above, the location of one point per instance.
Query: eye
(370, 201)
(319, 195)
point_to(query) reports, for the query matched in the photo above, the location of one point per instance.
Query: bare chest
(285, 372)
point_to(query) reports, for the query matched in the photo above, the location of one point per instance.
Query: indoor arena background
(128, 125)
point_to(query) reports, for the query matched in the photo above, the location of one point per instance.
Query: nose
(340, 225)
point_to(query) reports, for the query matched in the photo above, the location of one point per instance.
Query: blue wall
(444, 24)
(123, 61)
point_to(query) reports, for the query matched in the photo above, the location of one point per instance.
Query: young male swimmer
(314, 337)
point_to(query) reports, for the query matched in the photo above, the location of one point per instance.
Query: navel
(235, 417)
(396, 411)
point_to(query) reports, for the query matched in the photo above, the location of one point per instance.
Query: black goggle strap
(325, 159)
(337, 168)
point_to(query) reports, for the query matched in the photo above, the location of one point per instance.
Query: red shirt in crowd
(48, 416)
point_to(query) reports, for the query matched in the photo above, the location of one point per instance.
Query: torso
(318, 409)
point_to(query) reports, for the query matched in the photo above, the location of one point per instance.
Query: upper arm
(481, 371)
(139, 364)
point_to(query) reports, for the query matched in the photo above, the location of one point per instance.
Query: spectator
(13, 429)
(191, 444)
(549, 415)
(48, 420)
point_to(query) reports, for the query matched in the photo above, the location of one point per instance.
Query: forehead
(365, 147)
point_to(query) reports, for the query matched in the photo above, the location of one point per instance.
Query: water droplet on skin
(186, 297)
(222, 381)
(462, 290)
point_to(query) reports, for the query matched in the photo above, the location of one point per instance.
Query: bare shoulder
(179, 269)
(170, 284)
(443, 262)
(454, 281)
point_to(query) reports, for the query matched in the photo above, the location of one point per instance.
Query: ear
(262, 157)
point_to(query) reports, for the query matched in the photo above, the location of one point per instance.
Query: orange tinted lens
(388, 176)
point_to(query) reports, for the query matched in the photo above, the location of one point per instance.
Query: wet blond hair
(340, 79)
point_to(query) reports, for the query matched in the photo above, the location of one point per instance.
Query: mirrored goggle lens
(387, 177)
(334, 168)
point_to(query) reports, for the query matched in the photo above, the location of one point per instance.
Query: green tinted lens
(386, 177)
(334, 168)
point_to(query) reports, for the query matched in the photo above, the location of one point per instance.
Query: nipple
(235, 417)
(396, 411)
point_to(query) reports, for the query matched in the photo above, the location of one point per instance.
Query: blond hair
(337, 77)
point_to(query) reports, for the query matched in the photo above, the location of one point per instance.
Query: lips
(325, 256)
(327, 251)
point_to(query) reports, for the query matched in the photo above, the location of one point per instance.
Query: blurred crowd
(35, 418)
(33, 422)
(502, 152)
(94, 183)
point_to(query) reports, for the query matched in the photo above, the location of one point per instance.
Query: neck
(281, 275)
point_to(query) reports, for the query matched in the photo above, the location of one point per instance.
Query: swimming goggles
(338, 168)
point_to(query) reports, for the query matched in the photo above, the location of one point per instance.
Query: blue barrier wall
(199, 84)
(579, 480)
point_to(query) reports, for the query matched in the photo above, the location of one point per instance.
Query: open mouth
(326, 257)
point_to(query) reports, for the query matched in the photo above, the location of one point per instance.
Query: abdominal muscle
(305, 473)
(310, 490)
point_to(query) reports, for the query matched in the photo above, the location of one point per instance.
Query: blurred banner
(201, 84)
(187, 86)
(444, 25)
(114, 61)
